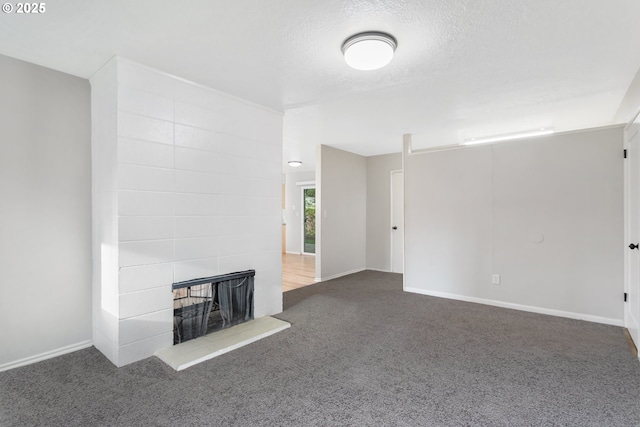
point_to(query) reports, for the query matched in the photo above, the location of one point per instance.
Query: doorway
(632, 226)
(397, 221)
(298, 262)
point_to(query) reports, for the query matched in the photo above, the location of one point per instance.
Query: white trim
(380, 270)
(630, 322)
(335, 276)
(410, 151)
(528, 308)
(46, 355)
(310, 184)
(293, 253)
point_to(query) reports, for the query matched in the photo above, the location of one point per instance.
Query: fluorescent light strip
(508, 137)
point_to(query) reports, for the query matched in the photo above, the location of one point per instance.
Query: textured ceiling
(462, 68)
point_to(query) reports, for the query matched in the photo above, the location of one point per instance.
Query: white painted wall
(630, 104)
(379, 209)
(341, 212)
(195, 179)
(478, 211)
(293, 208)
(45, 219)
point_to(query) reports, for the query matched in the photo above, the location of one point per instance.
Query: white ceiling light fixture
(509, 137)
(295, 163)
(369, 51)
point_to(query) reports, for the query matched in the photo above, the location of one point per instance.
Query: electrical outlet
(495, 279)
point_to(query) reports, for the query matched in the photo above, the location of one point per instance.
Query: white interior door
(397, 222)
(632, 187)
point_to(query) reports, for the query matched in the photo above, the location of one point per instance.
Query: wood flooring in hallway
(297, 271)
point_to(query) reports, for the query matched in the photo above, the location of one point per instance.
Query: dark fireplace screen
(209, 304)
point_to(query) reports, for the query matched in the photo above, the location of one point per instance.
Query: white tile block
(240, 125)
(196, 160)
(193, 94)
(143, 277)
(193, 115)
(198, 182)
(268, 206)
(265, 188)
(187, 270)
(107, 323)
(139, 328)
(105, 346)
(196, 204)
(144, 153)
(145, 228)
(260, 224)
(268, 241)
(268, 127)
(200, 139)
(236, 146)
(269, 278)
(144, 302)
(146, 252)
(237, 206)
(140, 350)
(144, 78)
(236, 185)
(236, 225)
(267, 153)
(236, 245)
(267, 300)
(144, 128)
(231, 264)
(191, 249)
(144, 103)
(104, 101)
(271, 171)
(145, 203)
(233, 165)
(267, 260)
(196, 226)
(134, 177)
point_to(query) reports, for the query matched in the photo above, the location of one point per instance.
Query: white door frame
(631, 319)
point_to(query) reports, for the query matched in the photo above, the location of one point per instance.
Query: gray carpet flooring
(359, 352)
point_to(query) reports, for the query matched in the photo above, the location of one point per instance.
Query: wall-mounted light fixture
(369, 51)
(295, 163)
(508, 137)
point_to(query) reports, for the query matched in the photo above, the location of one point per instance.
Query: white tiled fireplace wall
(186, 184)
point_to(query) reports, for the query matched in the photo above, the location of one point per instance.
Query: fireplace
(209, 304)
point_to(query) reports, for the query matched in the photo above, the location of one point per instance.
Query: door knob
(394, 228)
(634, 246)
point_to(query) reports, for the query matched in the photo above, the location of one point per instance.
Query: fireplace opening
(209, 304)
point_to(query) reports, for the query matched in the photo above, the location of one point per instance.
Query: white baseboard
(335, 276)
(47, 355)
(529, 308)
(292, 253)
(380, 270)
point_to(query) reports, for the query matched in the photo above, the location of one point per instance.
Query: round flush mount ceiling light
(295, 163)
(369, 51)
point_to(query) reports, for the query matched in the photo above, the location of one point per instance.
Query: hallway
(297, 271)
